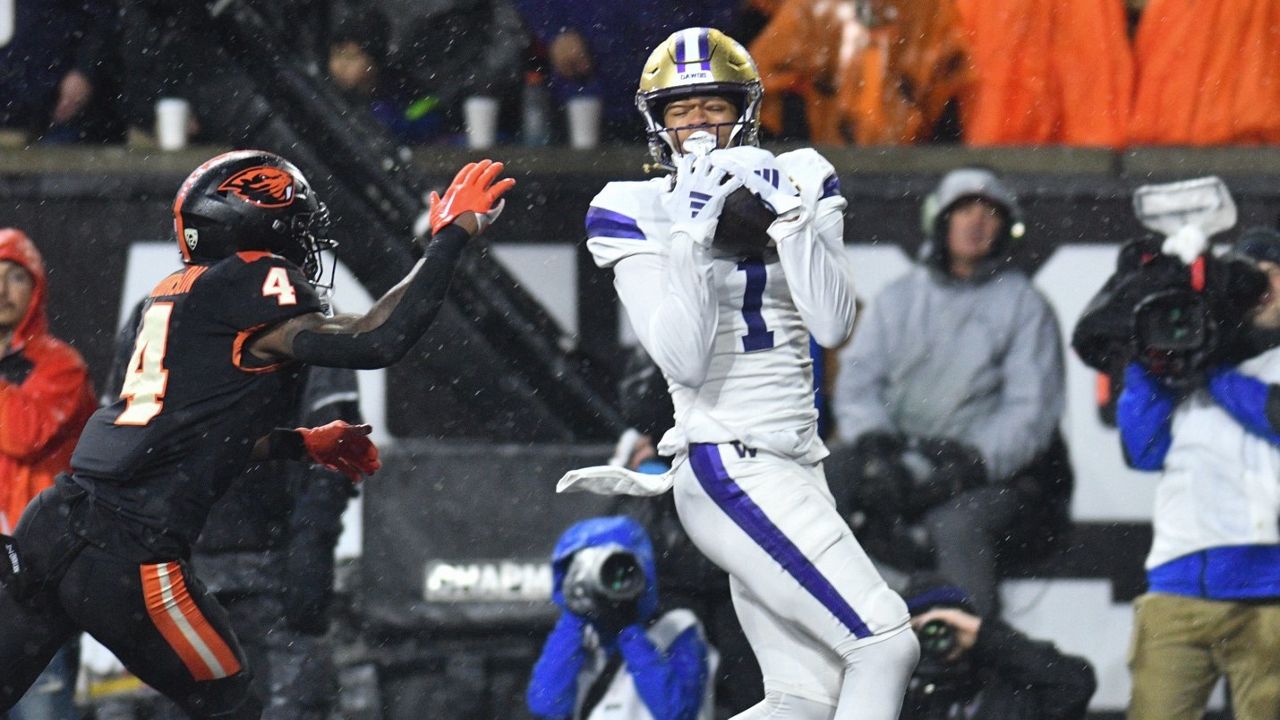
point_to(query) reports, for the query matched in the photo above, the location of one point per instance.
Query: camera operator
(949, 398)
(610, 654)
(982, 669)
(1213, 602)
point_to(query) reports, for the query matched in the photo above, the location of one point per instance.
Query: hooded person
(46, 395)
(984, 243)
(611, 653)
(955, 376)
(45, 399)
(981, 668)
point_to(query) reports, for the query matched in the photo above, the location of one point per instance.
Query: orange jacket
(1048, 72)
(882, 80)
(1208, 72)
(45, 395)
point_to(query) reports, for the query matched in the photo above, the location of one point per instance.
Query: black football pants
(157, 619)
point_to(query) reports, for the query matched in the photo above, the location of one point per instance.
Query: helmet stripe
(691, 47)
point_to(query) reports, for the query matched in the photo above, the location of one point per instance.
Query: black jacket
(1020, 679)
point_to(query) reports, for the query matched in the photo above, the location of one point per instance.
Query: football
(743, 226)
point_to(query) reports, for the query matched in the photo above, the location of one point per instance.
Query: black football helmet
(251, 200)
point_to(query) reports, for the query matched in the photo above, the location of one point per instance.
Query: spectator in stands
(866, 73)
(595, 47)
(45, 399)
(1196, 86)
(980, 668)
(611, 648)
(358, 55)
(1050, 72)
(454, 49)
(56, 70)
(266, 553)
(951, 392)
(1212, 608)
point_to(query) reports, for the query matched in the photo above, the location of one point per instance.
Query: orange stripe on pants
(183, 626)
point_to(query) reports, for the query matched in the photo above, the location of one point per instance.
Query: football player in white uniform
(726, 307)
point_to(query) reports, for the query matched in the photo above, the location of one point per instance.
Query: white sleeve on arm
(671, 302)
(817, 271)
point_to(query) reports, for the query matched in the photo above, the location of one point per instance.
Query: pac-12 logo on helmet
(264, 186)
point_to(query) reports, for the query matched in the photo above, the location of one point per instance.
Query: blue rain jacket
(670, 683)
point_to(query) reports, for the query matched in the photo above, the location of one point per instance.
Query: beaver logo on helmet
(263, 186)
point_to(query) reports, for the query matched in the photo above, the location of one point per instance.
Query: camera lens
(937, 639)
(621, 576)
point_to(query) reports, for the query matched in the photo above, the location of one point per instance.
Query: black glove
(611, 617)
(879, 481)
(954, 468)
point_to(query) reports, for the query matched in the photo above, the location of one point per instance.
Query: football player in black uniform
(105, 549)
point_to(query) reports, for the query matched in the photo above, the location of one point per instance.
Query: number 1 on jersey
(759, 336)
(145, 379)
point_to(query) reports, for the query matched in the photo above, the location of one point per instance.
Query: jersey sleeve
(614, 225)
(814, 257)
(260, 290)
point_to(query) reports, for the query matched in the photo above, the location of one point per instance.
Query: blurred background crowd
(1104, 73)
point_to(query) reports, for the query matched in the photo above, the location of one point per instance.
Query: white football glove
(694, 204)
(809, 171)
(760, 174)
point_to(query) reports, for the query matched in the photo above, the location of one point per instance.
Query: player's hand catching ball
(695, 202)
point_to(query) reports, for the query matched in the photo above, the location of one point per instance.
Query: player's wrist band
(286, 444)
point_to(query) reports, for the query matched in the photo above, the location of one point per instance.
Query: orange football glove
(473, 190)
(343, 447)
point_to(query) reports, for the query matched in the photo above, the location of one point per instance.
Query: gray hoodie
(979, 361)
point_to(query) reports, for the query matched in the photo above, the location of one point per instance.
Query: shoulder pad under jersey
(627, 218)
(255, 289)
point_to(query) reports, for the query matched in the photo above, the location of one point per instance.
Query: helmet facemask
(662, 144)
(311, 232)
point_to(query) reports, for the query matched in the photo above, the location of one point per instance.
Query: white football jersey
(758, 386)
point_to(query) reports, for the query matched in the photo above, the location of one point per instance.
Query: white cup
(172, 116)
(481, 116)
(584, 121)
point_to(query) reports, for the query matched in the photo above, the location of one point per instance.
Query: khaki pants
(1182, 645)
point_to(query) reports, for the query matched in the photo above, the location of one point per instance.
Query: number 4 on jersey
(277, 284)
(146, 378)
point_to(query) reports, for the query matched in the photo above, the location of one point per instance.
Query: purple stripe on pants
(734, 501)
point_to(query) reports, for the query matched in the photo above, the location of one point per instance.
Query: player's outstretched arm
(383, 335)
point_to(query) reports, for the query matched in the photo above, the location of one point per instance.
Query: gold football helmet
(698, 61)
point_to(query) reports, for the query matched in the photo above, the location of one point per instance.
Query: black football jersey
(193, 400)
